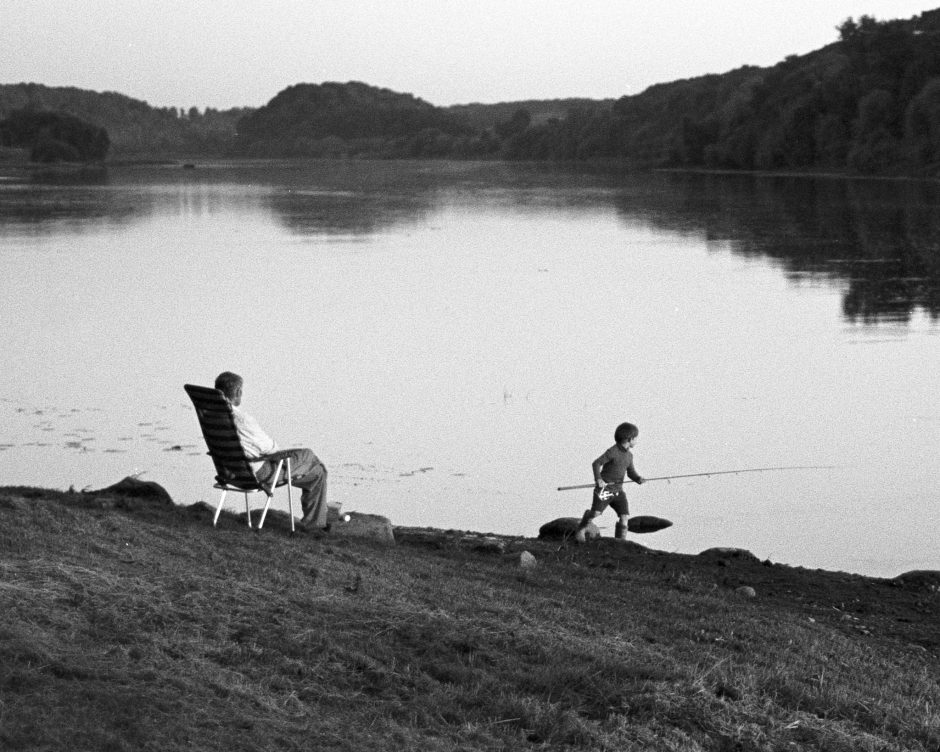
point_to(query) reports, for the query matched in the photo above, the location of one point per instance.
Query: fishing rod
(714, 472)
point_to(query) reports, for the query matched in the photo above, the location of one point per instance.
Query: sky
(241, 53)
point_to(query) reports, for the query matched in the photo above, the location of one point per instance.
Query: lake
(458, 340)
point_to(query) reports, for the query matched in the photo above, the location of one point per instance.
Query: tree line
(135, 129)
(867, 103)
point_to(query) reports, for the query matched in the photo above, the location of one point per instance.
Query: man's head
(230, 384)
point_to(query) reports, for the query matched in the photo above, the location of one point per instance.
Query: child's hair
(625, 432)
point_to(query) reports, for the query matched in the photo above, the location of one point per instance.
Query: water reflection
(45, 201)
(880, 240)
(362, 197)
(308, 198)
(320, 210)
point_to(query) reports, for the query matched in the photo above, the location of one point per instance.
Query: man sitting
(307, 472)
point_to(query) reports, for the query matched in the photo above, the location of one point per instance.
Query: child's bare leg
(589, 514)
(620, 529)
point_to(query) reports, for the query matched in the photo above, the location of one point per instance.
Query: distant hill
(135, 128)
(345, 119)
(868, 103)
(488, 116)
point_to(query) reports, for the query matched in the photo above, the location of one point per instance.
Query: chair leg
(290, 499)
(218, 509)
(247, 509)
(270, 491)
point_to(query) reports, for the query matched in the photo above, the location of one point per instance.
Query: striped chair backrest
(218, 429)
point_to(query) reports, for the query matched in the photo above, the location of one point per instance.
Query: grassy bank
(128, 624)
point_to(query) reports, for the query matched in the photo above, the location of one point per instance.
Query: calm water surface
(456, 341)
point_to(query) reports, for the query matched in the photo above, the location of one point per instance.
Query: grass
(127, 625)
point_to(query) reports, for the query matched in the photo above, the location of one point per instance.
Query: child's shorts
(617, 500)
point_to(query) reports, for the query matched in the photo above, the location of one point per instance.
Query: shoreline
(190, 162)
(130, 622)
(131, 494)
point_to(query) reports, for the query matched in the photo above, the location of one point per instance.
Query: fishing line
(714, 472)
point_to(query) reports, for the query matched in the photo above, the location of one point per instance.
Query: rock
(137, 488)
(132, 494)
(729, 554)
(369, 526)
(526, 560)
(488, 545)
(647, 524)
(428, 537)
(334, 513)
(565, 527)
(746, 591)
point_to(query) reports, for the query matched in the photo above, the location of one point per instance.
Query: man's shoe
(306, 527)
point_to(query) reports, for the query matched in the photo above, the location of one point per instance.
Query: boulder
(358, 525)
(728, 554)
(647, 524)
(140, 489)
(131, 493)
(487, 544)
(526, 560)
(565, 527)
(746, 591)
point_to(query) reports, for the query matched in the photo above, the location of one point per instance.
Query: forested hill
(867, 103)
(134, 127)
(336, 119)
(485, 116)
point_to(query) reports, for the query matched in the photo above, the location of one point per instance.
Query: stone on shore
(646, 523)
(565, 527)
(488, 544)
(131, 493)
(358, 525)
(723, 556)
(526, 560)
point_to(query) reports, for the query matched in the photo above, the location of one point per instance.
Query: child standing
(609, 470)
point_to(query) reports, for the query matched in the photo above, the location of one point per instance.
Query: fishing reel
(606, 493)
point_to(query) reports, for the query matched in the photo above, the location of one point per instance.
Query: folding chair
(234, 471)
